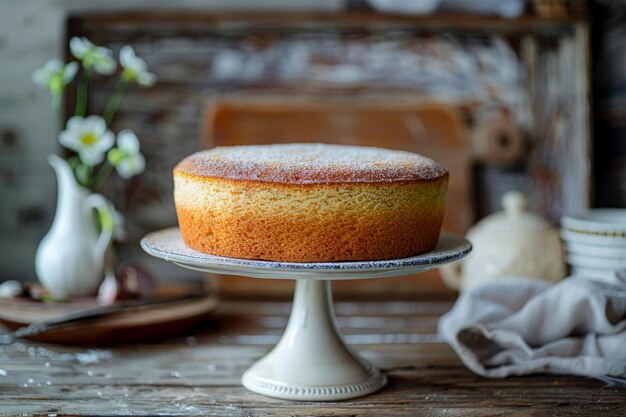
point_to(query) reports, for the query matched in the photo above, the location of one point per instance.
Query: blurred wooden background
(503, 103)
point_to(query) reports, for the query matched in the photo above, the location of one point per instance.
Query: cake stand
(311, 361)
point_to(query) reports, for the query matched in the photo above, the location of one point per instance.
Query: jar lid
(514, 218)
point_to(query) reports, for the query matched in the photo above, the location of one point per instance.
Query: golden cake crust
(308, 208)
(311, 163)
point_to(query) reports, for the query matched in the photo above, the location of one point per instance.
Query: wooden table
(199, 374)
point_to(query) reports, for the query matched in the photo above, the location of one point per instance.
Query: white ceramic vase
(70, 258)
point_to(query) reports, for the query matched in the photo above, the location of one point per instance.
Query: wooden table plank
(199, 375)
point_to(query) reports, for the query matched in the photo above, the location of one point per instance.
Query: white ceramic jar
(511, 243)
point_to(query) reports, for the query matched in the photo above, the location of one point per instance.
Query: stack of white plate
(595, 243)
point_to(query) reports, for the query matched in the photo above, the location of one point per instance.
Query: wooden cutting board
(130, 325)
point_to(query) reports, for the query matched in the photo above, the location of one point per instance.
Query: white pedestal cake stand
(311, 361)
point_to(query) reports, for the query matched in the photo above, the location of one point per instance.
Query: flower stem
(115, 100)
(56, 101)
(102, 175)
(81, 93)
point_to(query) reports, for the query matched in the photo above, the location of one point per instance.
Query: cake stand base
(311, 362)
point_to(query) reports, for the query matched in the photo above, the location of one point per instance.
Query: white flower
(89, 137)
(126, 157)
(53, 76)
(135, 68)
(97, 57)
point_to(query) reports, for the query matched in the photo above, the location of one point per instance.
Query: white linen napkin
(526, 326)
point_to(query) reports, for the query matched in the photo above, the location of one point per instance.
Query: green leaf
(106, 220)
(73, 161)
(84, 175)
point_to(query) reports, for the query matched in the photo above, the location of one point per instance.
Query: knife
(34, 329)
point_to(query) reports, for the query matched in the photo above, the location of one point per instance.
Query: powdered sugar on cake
(311, 163)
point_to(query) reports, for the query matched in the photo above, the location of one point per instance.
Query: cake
(309, 202)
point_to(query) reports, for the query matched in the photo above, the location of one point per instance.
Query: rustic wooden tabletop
(199, 374)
